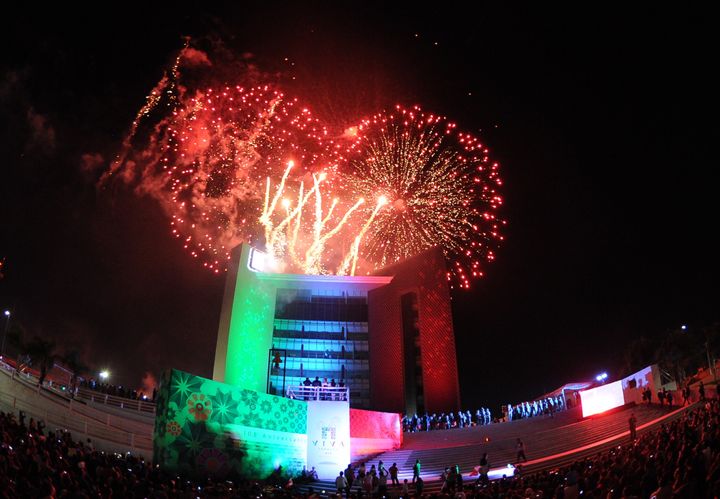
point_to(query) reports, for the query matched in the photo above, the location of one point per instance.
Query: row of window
(309, 345)
(321, 326)
(326, 364)
(291, 294)
(336, 374)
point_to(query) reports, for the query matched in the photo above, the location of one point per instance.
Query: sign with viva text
(328, 437)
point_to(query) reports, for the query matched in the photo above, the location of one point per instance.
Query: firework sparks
(441, 187)
(207, 159)
(211, 152)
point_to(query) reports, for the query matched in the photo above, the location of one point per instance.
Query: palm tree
(638, 354)
(43, 354)
(16, 339)
(72, 360)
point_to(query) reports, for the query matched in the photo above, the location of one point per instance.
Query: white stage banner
(328, 437)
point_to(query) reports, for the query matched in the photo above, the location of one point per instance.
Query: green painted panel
(207, 428)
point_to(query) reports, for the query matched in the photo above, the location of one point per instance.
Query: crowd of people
(540, 407)
(482, 416)
(668, 396)
(446, 420)
(681, 459)
(116, 390)
(378, 482)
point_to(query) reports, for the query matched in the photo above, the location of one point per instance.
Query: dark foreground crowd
(679, 460)
(36, 463)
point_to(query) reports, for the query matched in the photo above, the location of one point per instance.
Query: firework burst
(246, 163)
(222, 146)
(441, 189)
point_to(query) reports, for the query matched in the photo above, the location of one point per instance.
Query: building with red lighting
(413, 366)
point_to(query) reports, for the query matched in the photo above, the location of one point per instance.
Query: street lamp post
(7, 323)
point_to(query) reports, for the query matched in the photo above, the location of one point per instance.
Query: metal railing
(302, 392)
(62, 413)
(144, 406)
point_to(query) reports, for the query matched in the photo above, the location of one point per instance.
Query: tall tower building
(387, 337)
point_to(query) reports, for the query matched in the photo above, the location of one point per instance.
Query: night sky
(605, 124)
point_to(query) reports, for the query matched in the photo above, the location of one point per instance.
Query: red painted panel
(372, 432)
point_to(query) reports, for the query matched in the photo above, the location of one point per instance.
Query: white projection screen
(601, 399)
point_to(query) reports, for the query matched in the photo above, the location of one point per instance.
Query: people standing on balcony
(306, 388)
(343, 394)
(325, 385)
(316, 387)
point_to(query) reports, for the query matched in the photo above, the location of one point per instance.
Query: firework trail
(281, 237)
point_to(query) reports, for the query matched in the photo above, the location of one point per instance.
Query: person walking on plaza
(367, 484)
(669, 397)
(483, 468)
(361, 473)
(341, 484)
(394, 474)
(632, 422)
(349, 476)
(419, 486)
(416, 470)
(382, 483)
(520, 448)
(701, 391)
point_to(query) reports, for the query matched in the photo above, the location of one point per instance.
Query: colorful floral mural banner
(207, 428)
